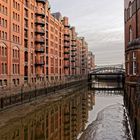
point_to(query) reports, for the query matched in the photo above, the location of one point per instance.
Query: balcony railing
(40, 50)
(66, 58)
(40, 22)
(73, 55)
(66, 34)
(41, 1)
(40, 12)
(40, 31)
(134, 44)
(73, 45)
(40, 40)
(66, 66)
(67, 26)
(66, 52)
(73, 60)
(73, 50)
(39, 63)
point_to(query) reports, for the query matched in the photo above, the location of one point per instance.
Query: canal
(70, 114)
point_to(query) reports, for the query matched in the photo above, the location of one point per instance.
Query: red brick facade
(37, 46)
(132, 61)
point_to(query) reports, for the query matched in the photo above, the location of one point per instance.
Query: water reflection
(106, 84)
(68, 116)
(61, 119)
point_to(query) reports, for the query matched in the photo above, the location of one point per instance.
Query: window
(0, 83)
(17, 81)
(32, 15)
(3, 49)
(5, 82)
(14, 81)
(2, 71)
(134, 64)
(130, 34)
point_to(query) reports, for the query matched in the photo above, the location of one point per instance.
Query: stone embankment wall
(31, 93)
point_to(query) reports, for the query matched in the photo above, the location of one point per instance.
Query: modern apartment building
(91, 61)
(37, 46)
(132, 62)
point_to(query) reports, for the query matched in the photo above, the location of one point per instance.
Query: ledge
(133, 45)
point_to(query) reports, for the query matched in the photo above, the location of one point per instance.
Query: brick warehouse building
(132, 62)
(91, 61)
(36, 45)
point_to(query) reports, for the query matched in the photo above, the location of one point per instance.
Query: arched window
(130, 34)
(15, 52)
(3, 49)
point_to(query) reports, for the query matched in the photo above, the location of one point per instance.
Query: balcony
(73, 50)
(73, 40)
(40, 50)
(67, 26)
(66, 52)
(66, 66)
(73, 45)
(41, 1)
(73, 55)
(66, 58)
(66, 34)
(66, 46)
(39, 63)
(40, 22)
(40, 31)
(134, 44)
(66, 41)
(72, 60)
(40, 12)
(39, 40)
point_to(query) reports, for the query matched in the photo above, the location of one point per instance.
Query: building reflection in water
(63, 119)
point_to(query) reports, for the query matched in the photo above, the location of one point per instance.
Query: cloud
(101, 22)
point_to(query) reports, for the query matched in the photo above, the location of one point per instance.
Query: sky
(100, 22)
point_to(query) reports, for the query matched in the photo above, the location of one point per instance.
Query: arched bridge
(111, 73)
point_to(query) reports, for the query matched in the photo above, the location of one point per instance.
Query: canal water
(81, 114)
